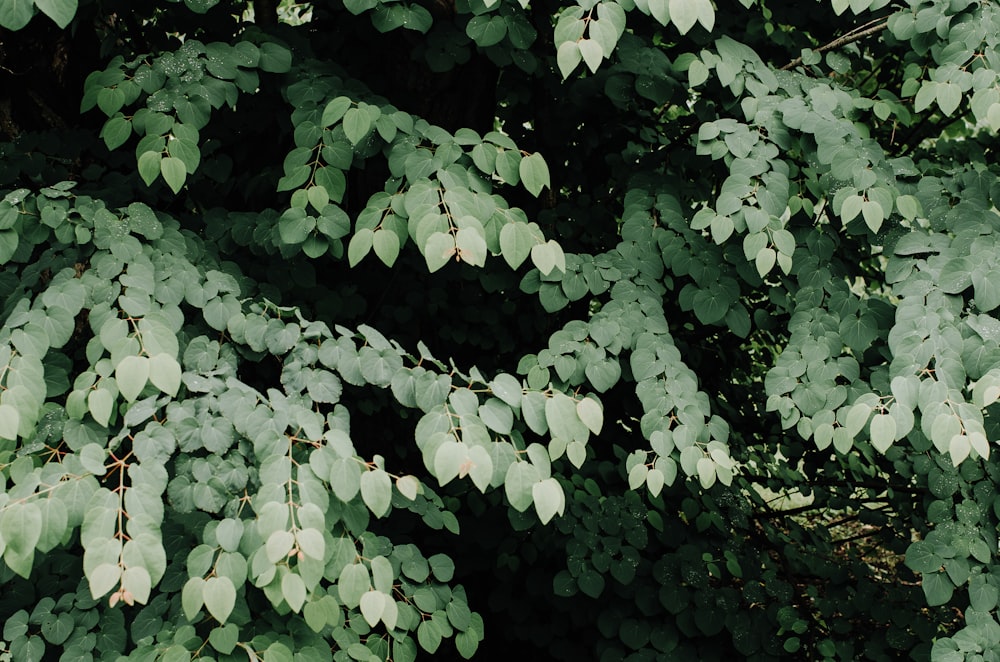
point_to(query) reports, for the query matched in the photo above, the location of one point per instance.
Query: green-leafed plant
(601, 330)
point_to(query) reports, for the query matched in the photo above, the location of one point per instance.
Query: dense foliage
(598, 330)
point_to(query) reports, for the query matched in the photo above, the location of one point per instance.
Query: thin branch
(857, 34)
(858, 536)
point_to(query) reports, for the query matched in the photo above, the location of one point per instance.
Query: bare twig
(857, 34)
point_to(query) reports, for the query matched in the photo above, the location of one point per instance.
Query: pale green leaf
(165, 373)
(408, 486)
(372, 606)
(293, 590)
(548, 498)
(568, 56)
(386, 245)
(104, 578)
(684, 13)
(219, 595)
(100, 402)
(376, 491)
(174, 172)
(440, 248)
(590, 412)
(592, 54)
(132, 373)
(10, 420)
(534, 172)
(883, 432)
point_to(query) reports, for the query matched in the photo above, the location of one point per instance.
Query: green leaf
(857, 417)
(548, 498)
(149, 166)
(519, 483)
(191, 597)
(487, 30)
(765, 260)
(92, 457)
(165, 373)
(21, 528)
(10, 421)
(376, 491)
(293, 590)
(357, 124)
(132, 373)
(568, 55)
(225, 638)
(592, 54)
(429, 636)
(278, 545)
(873, 214)
(334, 111)
(219, 595)
(386, 245)
(15, 14)
(274, 58)
(883, 431)
(938, 589)
(591, 583)
(116, 131)
(515, 243)
(345, 478)
(136, 580)
(442, 567)
(590, 412)
(100, 402)
(360, 244)
(353, 583)
(684, 14)
(986, 284)
(548, 257)
(372, 606)
(471, 246)
(534, 173)
(949, 96)
(959, 448)
(440, 248)
(103, 578)
(408, 486)
(174, 172)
